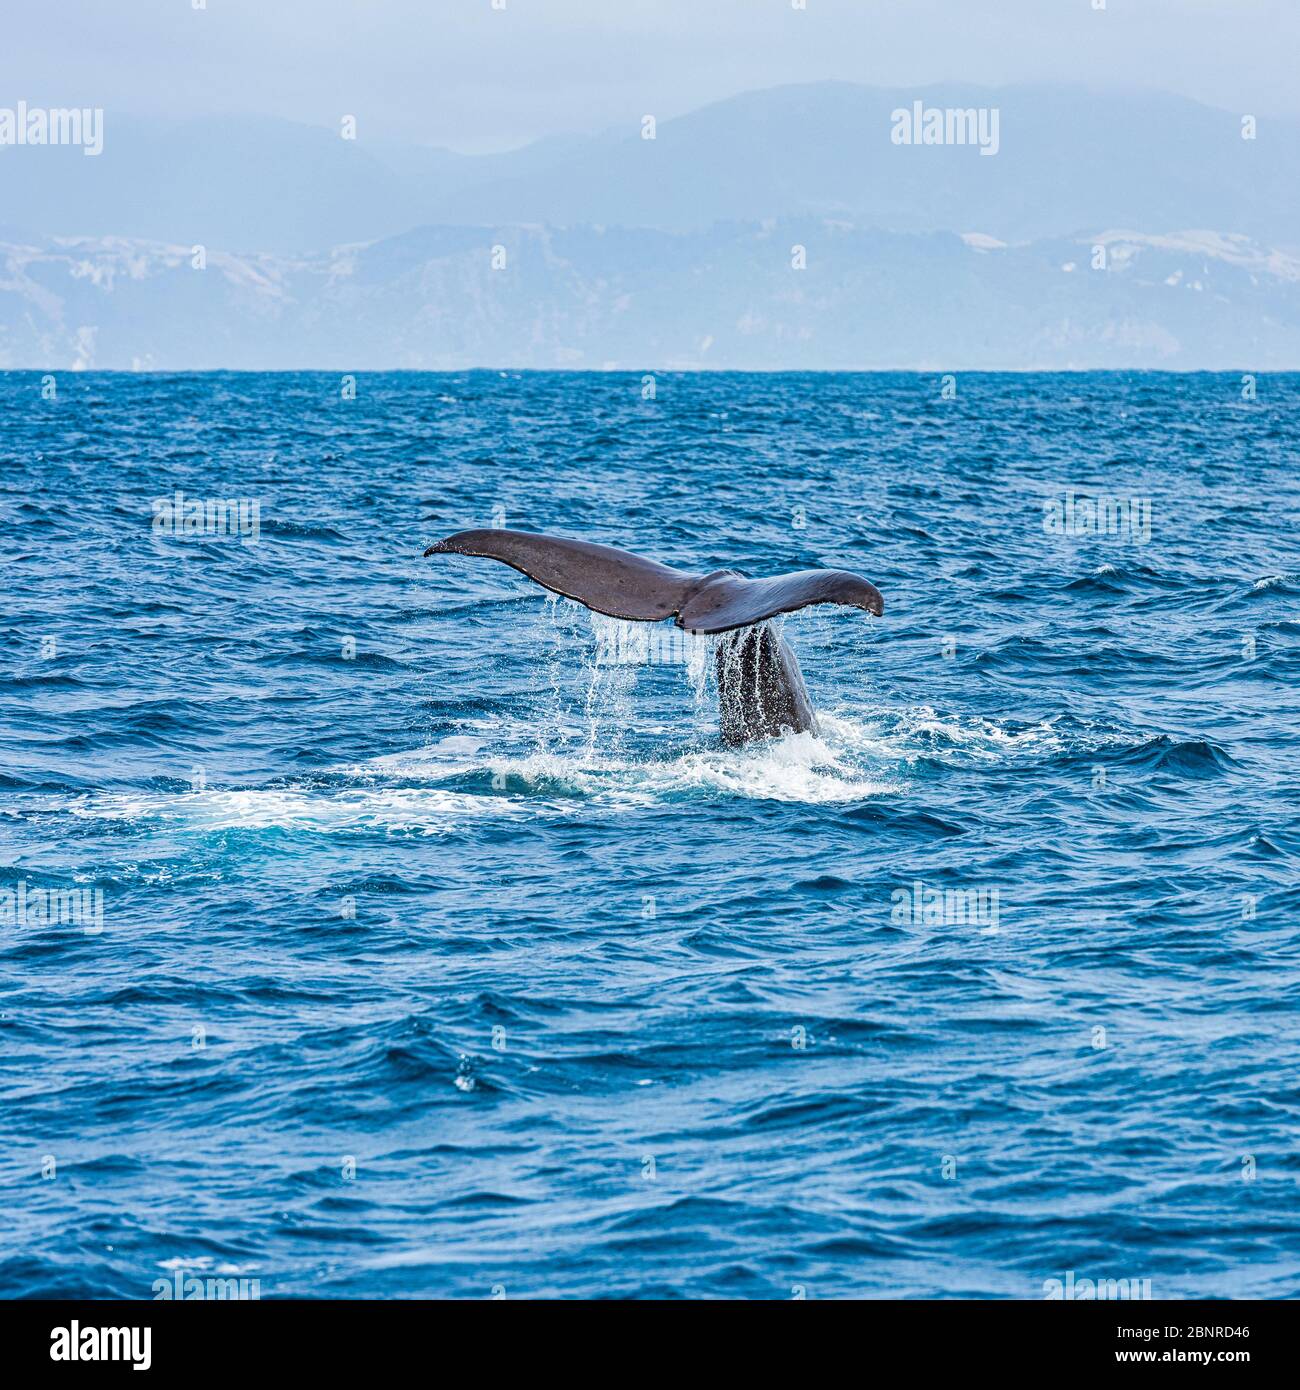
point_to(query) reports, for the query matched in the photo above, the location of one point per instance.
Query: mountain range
(1110, 230)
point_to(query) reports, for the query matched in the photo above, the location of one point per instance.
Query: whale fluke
(726, 600)
(621, 585)
(760, 688)
(606, 580)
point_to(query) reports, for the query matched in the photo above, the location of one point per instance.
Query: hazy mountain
(647, 300)
(1068, 159)
(669, 252)
(244, 183)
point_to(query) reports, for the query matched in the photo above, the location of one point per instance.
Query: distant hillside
(669, 252)
(652, 300)
(1069, 159)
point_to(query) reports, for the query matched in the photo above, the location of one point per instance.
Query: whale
(761, 691)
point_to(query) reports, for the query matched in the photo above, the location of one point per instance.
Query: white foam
(508, 769)
(411, 810)
(797, 768)
(921, 731)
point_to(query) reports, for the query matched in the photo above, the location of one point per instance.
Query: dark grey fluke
(760, 688)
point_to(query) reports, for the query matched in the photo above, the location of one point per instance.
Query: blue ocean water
(423, 950)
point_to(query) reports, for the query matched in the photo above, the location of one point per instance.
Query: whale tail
(760, 688)
(622, 585)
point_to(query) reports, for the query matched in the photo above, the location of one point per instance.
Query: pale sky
(462, 74)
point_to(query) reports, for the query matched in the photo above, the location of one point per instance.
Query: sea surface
(425, 944)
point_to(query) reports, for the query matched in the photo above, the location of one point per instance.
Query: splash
(412, 810)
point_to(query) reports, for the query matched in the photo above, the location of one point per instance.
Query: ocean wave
(476, 965)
